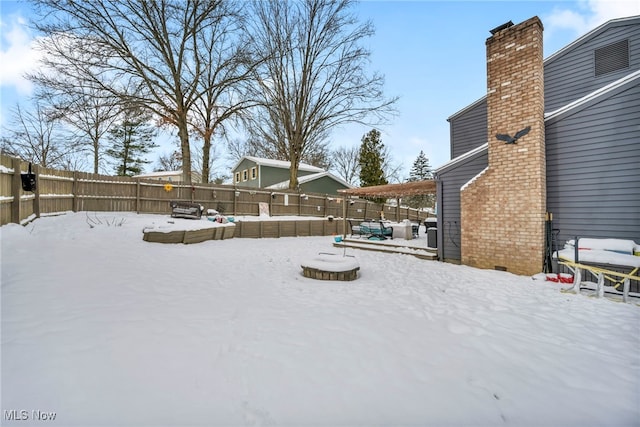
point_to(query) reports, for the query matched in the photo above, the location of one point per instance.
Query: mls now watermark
(24, 415)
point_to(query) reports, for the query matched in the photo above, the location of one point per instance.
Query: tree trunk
(295, 163)
(183, 134)
(206, 155)
(96, 156)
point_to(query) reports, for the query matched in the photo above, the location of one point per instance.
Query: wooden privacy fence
(61, 191)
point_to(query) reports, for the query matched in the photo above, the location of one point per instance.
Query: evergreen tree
(130, 140)
(371, 161)
(420, 171)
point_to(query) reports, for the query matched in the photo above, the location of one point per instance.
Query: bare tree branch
(145, 52)
(35, 135)
(315, 78)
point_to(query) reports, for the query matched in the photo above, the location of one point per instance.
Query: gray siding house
(592, 141)
(256, 172)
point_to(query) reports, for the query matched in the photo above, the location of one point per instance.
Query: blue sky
(432, 54)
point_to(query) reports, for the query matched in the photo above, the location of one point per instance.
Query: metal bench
(355, 229)
(376, 229)
(186, 210)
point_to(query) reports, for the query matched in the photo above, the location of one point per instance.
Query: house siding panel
(242, 166)
(572, 76)
(449, 204)
(593, 172)
(469, 130)
(324, 185)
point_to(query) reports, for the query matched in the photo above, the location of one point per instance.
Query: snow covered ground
(102, 328)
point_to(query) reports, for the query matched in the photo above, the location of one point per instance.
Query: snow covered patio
(103, 328)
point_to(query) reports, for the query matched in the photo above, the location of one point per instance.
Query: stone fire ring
(331, 267)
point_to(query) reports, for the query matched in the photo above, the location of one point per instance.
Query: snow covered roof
(159, 174)
(195, 176)
(277, 164)
(308, 178)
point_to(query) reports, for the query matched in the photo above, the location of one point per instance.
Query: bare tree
(89, 113)
(239, 147)
(169, 162)
(215, 169)
(226, 65)
(346, 163)
(146, 52)
(390, 168)
(36, 136)
(314, 79)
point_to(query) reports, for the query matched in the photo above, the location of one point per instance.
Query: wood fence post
(325, 204)
(36, 193)
(271, 196)
(137, 195)
(344, 217)
(235, 201)
(74, 191)
(16, 189)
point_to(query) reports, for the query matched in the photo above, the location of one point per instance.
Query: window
(254, 172)
(245, 175)
(612, 57)
(237, 176)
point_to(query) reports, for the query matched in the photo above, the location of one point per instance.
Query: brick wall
(503, 209)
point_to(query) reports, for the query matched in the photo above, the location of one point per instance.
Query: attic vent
(612, 57)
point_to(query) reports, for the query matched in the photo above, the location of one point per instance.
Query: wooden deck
(415, 247)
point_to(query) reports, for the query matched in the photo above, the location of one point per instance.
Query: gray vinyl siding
(324, 185)
(593, 168)
(469, 129)
(245, 164)
(571, 76)
(450, 182)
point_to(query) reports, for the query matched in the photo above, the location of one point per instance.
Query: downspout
(439, 219)
(344, 217)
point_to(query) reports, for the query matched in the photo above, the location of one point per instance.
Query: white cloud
(17, 55)
(589, 15)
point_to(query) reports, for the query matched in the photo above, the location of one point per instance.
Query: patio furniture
(610, 260)
(355, 229)
(186, 210)
(376, 229)
(403, 230)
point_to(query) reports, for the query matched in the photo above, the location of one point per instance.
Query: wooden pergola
(393, 191)
(388, 191)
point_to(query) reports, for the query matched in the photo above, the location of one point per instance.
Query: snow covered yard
(102, 328)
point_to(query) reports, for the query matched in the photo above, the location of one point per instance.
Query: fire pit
(331, 267)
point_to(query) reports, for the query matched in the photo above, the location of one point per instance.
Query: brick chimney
(503, 209)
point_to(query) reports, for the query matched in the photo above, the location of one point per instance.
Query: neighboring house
(170, 176)
(580, 162)
(274, 174)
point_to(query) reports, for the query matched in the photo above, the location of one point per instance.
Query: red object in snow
(565, 278)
